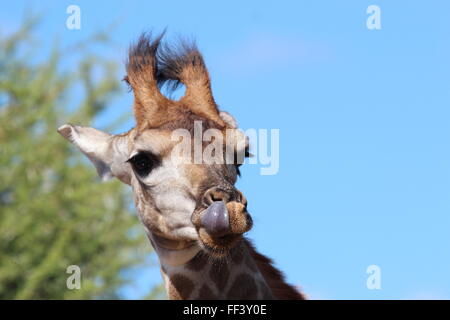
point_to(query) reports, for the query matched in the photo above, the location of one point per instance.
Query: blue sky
(364, 127)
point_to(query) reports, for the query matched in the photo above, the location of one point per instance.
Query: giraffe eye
(238, 171)
(143, 163)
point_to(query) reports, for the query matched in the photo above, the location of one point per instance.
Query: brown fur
(240, 220)
(197, 258)
(237, 256)
(180, 288)
(219, 274)
(198, 262)
(274, 277)
(141, 76)
(184, 64)
(244, 287)
(205, 293)
(150, 66)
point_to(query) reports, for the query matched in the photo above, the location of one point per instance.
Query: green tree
(53, 210)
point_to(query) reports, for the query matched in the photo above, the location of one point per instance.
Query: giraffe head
(187, 203)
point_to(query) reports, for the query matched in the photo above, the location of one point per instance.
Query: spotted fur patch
(198, 262)
(219, 274)
(205, 293)
(181, 287)
(244, 287)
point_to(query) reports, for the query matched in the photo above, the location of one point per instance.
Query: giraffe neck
(203, 277)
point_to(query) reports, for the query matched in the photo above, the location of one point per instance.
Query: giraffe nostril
(209, 198)
(216, 194)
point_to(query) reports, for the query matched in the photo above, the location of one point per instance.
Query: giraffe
(193, 215)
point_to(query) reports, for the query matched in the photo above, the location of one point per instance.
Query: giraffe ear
(228, 119)
(242, 142)
(107, 152)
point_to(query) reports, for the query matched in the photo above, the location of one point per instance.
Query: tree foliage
(54, 212)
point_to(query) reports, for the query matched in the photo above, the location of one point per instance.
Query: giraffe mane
(275, 278)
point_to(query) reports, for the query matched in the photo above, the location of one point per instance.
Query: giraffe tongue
(215, 219)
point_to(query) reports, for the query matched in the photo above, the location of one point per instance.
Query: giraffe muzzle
(222, 219)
